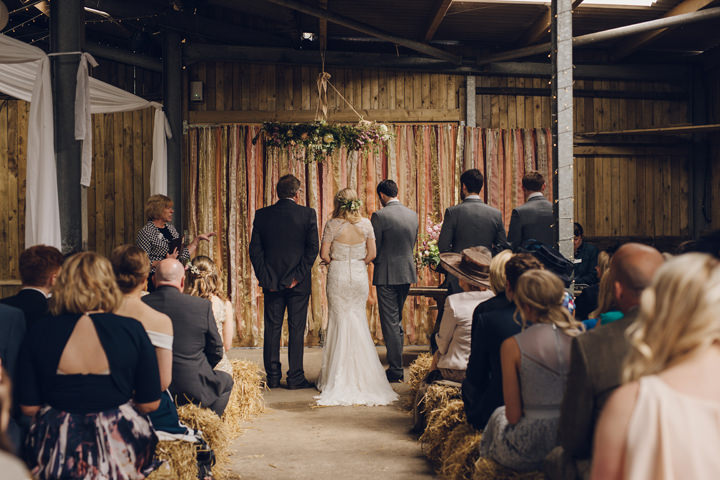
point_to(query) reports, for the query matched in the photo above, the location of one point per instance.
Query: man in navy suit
(283, 249)
(39, 267)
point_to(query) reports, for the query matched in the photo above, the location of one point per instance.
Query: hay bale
(215, 432)
(486, 469)
(440, 422)
(438, 396)
(178, 461)
(460, 452)
(246, 398)
(418, 370)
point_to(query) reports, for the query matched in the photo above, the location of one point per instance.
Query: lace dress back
(351, 370)
(222, 311)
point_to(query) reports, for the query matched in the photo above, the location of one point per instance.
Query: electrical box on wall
(196, 91)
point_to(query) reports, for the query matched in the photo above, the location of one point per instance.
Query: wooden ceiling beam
(369, 30)
(541, 27)
(442, 7)
(686, 6)
(322, 27)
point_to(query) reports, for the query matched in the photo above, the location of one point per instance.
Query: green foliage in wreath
(318, 140)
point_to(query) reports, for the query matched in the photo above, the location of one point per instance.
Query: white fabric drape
(25, 74)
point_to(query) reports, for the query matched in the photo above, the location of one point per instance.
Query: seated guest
(81, 367)
(482, 388)
(132, 267)
(471, 267)
(595, 363)
(197, 346)
(10, 466)
(156, 237)
(203, 280)
(12, 332)
(587, 301)
(606, 311)
(663, 422)
(39, 267)
(534, 366)
(586, 258)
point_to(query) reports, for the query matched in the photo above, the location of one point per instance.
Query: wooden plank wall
(139, 81)
(713, 89)
(122, 153)
(623, 186)
(242, 93)
(13, 146)
(120, 184)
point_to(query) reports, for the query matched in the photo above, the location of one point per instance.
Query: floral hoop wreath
(351, 205)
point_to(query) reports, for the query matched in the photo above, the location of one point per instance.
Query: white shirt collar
(37, 290)
(536, 194)
(472, 197)
(394, 200)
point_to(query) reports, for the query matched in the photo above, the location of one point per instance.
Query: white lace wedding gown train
(351, 370)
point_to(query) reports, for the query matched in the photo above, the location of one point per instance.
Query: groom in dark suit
(283, 249)
(395, 228)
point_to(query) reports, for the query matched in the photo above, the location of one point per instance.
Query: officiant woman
(158, 234)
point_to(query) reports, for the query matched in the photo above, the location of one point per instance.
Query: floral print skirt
(116, 444)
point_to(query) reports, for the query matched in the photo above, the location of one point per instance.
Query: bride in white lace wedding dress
(351, 370)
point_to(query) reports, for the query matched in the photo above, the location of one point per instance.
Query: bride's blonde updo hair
(203, 278)
(678, 315)
(347, 205)
(543, 292)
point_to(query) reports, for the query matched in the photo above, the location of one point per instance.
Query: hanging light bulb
(4, 16)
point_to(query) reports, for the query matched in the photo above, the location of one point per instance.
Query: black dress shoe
(304, 384)
(393, 378)
(273, 383)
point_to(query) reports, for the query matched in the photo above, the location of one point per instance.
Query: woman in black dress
(89, 379)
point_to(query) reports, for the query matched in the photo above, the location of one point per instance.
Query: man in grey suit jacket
(596, 359)
(197, 346)
(396, 228)
(533, 219)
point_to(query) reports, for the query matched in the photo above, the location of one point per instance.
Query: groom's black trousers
(296, 303)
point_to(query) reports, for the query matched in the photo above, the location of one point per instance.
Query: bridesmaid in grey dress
(534, 366)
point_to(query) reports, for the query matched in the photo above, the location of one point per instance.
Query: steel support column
(172, 103)
(67, 34)
(562, 124)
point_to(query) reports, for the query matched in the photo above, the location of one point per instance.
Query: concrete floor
(294, 439)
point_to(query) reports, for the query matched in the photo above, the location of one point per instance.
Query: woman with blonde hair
(351, 371)
(203, 280)
(606, 311)
(89, 374)
(535, 363)
(664, 422)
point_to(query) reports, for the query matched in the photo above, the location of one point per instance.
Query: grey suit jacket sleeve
(500, 238)
(447, 232)
(377, 229)
(515, 230)
(575, 433)
(213, 342)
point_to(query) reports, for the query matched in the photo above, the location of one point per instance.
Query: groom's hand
(293, 284)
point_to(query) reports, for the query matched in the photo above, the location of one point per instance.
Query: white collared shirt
(46, 295)
(536, 194)
(473, 196)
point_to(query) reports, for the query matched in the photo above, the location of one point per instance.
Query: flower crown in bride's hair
(351, 205)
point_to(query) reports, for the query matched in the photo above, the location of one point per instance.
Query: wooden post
(562, 124)
(67, 34)
(699, 216)
(172, 103)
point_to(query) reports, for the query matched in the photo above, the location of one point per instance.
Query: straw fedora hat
(472, 265)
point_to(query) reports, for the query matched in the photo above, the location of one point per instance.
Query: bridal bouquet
(427, 253)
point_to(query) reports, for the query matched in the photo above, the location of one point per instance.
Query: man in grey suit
(197, 346)
(596, 359)
(396, 228)
(533, 219)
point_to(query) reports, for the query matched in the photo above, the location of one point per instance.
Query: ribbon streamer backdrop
(229, 178)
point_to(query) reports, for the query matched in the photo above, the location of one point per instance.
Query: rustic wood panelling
(713, 102)
(239, 93)
(120, 184)
(136, 80)
(122, 154)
